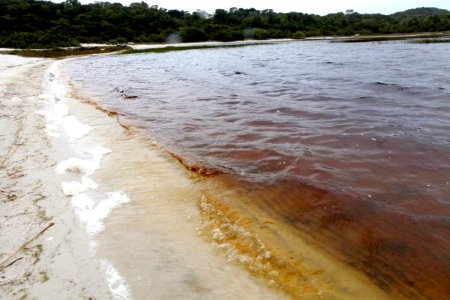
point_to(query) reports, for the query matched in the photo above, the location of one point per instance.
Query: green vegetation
(37, 253)
(43, 215)
(43, 24)
(422, 11)
(298, 35)
(44, 277)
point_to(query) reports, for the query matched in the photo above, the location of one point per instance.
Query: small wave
(231, 234)
(124, 94)
(97, 106)
(203, 171)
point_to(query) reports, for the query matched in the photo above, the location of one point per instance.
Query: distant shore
(132, 48)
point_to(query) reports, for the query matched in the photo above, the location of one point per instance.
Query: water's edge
(152, 240)
(246, 234)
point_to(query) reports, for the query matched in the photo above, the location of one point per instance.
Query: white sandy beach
(57, 264)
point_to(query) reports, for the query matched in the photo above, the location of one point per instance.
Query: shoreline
(164, 257)
(136, 48)
(59, 147)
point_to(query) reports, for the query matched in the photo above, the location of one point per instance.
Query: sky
(320, 7)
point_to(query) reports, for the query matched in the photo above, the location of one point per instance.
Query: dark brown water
(349, 143)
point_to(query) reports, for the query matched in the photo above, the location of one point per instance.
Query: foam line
(116, 283)
(93, 215)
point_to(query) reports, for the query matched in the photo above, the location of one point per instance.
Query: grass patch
(11, 197)
(42, 214)
(44, 277)
(63, 52)
(26, 276)
(184, 48)
(39, 198)
(37, 253)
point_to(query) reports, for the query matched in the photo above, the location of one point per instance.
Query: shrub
(298, 35)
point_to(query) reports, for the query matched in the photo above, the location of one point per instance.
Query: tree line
(44, 24)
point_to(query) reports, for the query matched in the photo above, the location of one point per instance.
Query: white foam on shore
(74, 165)
(91, 214)
(59, 116)
(51, 127)
(74, 128)
(116, 283)
(91, 211)
(60, 110)
(73, 188)
(89, 183)
(83, 166)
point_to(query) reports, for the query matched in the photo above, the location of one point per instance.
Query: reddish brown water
(348, 143)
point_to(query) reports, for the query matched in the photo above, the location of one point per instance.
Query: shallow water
(348, 143)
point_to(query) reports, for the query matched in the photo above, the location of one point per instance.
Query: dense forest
(44, 24)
